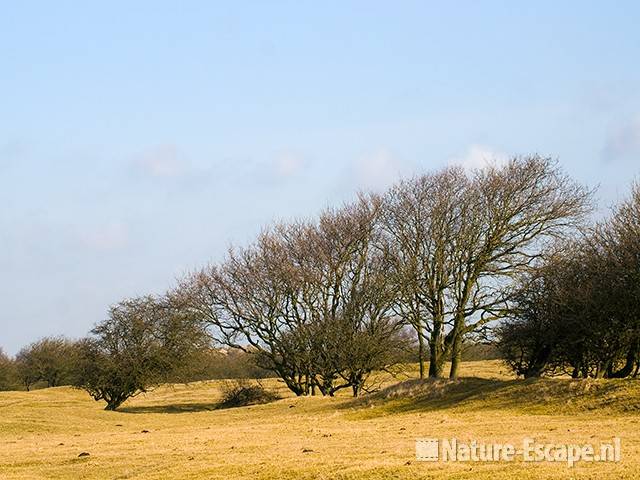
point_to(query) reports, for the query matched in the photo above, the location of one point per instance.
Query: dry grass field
(177, 432)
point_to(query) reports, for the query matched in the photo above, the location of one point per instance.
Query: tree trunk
(539, 363)
(114, 402)
(453, 342)
(306, 384)
(625, 371)
(436, 350)
(420, 351)
(436, 363)
(456, 355)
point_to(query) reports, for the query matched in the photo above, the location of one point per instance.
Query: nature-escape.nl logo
(453, 450)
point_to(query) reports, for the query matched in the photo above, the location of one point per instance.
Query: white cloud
(624, 141)
(112, 236)
(162, 161)
(378, 170)
(478, 157)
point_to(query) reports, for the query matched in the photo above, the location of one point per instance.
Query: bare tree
(462, 238)
(422, 219)
(246, 300)
(514, 210)
(306, 299)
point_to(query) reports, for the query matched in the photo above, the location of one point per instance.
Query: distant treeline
(420, 272)
(52, 362)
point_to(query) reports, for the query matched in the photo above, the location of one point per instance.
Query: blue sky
(138, 140)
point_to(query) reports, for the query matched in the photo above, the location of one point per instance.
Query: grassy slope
(43, 432)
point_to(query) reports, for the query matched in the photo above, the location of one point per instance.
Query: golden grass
(176, 431)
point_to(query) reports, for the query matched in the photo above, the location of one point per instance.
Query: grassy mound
(541, 396)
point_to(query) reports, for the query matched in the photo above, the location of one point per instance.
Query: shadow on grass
(172, 408)
(441, 394)
(430, 394)
(532, 395)
(536, 395)
(225, 404)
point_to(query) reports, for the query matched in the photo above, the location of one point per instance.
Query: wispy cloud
(623, 142)
(288, 164)
(478, 157)
(270, 171)
(378, 169)
(164, 161)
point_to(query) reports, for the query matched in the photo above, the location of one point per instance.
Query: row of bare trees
(323, 303)
(311, 300)
(578, 312)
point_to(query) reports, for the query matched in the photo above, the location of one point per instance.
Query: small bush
(241, 394)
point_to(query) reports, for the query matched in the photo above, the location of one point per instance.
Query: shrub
(141, 343)
(241, 394)
(48, 362)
